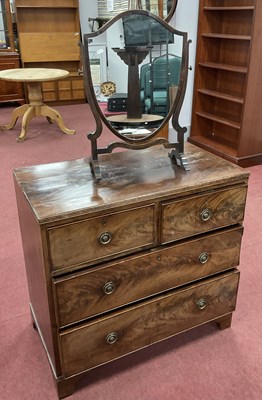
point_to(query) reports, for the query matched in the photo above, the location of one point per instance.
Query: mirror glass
(135, 68)
(162, 8)
(107, 10)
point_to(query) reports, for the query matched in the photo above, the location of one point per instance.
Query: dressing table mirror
(146, 64)
(163, 8)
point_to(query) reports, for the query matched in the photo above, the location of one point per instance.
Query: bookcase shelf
(220, 95)
(220, 120)
(46, 3)
(226, 117)
(225, 36)
(225, 67)
(241, 8)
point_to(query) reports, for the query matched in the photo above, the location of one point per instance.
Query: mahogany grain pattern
(80, 241)
(81, 295)
(67, 190)
(182, 218)
(85, 347)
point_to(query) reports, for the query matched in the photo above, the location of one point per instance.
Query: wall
(87, 9)
(186, 19)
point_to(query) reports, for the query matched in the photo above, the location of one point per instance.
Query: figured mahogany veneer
(144, 254)
(85, 294)
(82, 242)
(185, 218)
(138, 326)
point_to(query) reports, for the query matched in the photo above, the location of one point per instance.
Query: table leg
(49, 120)
(52, 114)
(28, 115)
(18, 112)
(35, 108)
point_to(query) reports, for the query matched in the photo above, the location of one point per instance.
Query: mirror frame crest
(177, 153)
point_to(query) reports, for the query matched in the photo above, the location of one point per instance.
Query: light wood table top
(33, 74)
(33, 77)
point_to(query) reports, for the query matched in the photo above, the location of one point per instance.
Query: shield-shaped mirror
(145, 63)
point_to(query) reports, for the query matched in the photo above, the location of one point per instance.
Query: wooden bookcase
(49, 33)
(9, 57)
(227, 117)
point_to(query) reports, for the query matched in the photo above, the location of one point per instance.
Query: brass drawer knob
(201, 303)
(203, 258)
(105, 238)
(111, 338)
(109, 287)
(206, 214)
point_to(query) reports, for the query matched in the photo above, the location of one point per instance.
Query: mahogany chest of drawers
(116, 265)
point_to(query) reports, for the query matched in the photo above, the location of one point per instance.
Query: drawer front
(199, 214)
(99, 238)
(101, 289)
(120, 333)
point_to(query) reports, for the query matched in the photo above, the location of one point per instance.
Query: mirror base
(178, 158)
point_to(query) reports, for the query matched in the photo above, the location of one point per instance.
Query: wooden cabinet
(9, 57)
(226, 118)
(148, 252)
(10, 91)
(49, 33)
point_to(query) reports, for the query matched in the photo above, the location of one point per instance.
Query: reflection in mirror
(163, 8)
(142, 59)
(135, 70)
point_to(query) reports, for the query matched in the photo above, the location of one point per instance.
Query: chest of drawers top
(65, 190)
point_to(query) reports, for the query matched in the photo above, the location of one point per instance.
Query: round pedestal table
(33, 77)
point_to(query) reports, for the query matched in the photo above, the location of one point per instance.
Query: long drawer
(100, 289)
(191, 216)
(99, 238)
(132, 328)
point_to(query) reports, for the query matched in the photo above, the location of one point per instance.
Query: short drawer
(136, 327)
(99, 238)
(100, 289)
(187, 217)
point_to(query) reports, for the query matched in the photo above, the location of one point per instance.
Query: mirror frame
(177, 152)
(171, 12)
